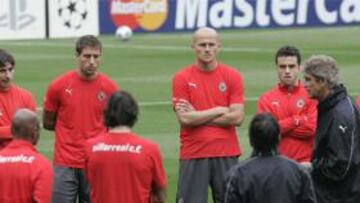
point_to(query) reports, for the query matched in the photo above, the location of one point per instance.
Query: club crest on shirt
(275, 103)
(300, 103)
(101, 96)
(191, 84)
(222, 87)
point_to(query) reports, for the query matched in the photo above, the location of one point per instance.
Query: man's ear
(34, 134)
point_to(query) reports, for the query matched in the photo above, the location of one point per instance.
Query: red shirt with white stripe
(122, 168)
(11, 100)
(26, 176)
(204, 90)
(297, 115)
(79, 106)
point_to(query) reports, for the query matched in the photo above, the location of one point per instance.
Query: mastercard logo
(146, 14)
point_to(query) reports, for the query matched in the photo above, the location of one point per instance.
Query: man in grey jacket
(336, 156)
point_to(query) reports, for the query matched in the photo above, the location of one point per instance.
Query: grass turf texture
(145, 65)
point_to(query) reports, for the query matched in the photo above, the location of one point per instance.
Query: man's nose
(207, 47)
(287, 69)
(92, 59)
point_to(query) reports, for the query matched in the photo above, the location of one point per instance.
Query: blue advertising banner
(183, 15)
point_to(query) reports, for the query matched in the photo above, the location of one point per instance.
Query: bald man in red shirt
(290, 104)
(12, 97)
(25, 175)
(208, 99)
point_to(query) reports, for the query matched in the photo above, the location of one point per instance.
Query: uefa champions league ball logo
(72, 12)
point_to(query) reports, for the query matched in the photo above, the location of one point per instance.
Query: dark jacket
(336, 156)
(268, 178)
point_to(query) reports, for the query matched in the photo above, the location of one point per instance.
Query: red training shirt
(297, 116)
(79, 106)
(204, 90)
(26, 176)
(358, 100)
(122, 168)
(11, 100)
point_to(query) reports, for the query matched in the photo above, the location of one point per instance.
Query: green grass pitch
(145, 65)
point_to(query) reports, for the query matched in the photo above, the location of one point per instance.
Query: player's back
(271, 179)
(122, 167)
(25, 175)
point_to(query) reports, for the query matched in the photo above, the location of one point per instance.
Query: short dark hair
(87, 41)
(121, 110)
(264, 132)
(6, 57)
(288, 51)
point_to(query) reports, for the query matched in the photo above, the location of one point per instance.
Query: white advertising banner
(22, 19)
(73, 18)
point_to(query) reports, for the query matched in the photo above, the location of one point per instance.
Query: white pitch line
(162, 103)
(159, 103)
(138, 46)
(175, 48)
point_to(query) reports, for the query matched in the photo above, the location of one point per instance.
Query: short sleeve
(158, 171)
(179, 89)
(110, 85)
(43, 182)
(51, 99)
(237, 88)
